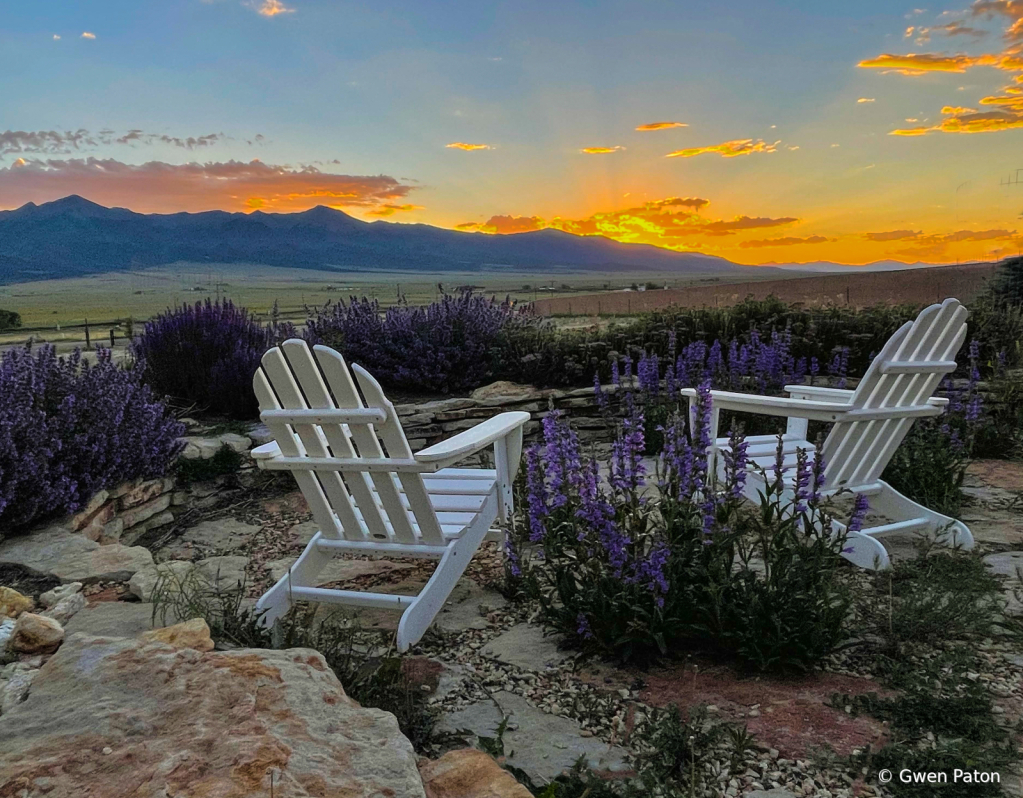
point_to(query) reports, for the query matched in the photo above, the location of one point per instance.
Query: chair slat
(340, 381)
(316, 396)
(394, 439)
(289, 444)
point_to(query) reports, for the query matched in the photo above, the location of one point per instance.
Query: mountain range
(72, 237)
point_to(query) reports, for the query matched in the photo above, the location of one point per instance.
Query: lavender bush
(206, 354)
(634, 572)
(445, 346)
(69, 429)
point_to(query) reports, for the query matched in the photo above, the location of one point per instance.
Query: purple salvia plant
(536, 495)
(859, 513)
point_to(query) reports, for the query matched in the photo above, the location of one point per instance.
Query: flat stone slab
(468, 611)
(542, 745)
(1008, 564)
(340, 570)
(73, 558)
(223, 572)
(525, 646)
(223, 534)
(112, 619)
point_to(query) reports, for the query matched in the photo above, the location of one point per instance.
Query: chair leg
(420, 614)
(893, 504)
(863, 550)
(277, 600)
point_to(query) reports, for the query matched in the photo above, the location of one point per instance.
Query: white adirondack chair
(367, 491)
(869, 423)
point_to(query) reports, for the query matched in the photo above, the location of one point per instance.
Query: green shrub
(225, 461)
(9, 320)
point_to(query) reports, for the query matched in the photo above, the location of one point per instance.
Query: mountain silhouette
(72, 236)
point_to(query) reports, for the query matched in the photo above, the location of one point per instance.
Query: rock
(84, 516)
(12, 603)
(1008, 564)
(40, 552)
(143, 512)
(72, 558)
(468, 773)
(542, 745)
(506, 391)
(778, 792)
(65, 609)
(221, 572)
(6, 630)
(339, 569)
(113, 619)
(459, 615)
(203, 448)
(15, 689)
(35, 633)
(224, 534)
(260, 434)
(142, 492)
(113, 563)
(51, 597)
(525, 646)
(212, 724)
(188, 634)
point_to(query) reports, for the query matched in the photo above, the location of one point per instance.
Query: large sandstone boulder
(73, 558)
(113, 717)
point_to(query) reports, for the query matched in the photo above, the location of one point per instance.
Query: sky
(758, 131)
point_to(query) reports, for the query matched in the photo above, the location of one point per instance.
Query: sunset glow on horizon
(756, 132)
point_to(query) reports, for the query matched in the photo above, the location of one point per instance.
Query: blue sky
(331, 97)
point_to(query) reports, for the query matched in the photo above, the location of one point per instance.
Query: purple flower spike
(859, 513)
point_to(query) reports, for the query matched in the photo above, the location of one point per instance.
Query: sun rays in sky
(846, 135)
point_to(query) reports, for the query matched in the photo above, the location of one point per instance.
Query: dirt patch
(791, 715)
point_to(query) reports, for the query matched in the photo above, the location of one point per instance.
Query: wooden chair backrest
(904, 374)
(361, 498)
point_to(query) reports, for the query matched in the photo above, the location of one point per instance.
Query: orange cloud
(986, 122)
(87, 35)
(958, 109)
(892, 235)
(659, 126)
(785, 242)
(388, 209)
(269, 8)
(461, 145)
(728, 149)
(163, 187)
(512, 224)
(920, 63)
(601, 150)
(865, 100)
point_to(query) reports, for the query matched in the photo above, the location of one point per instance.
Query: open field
(56, 310)
(913, 286)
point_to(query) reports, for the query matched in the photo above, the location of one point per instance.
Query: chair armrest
(773, 405)
(267, 451)
(819, 394)
(473, 439)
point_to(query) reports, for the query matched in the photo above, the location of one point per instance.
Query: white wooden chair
(367, 491)
(869, 423)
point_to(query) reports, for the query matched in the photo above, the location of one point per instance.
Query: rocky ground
(486, 659)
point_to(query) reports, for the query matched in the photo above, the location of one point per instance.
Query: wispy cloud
(728, 149)
(56, 37)
(269, 8)
(788, 241)
(87, 35)
(57, 142)
(461, 145)
(161, 186)
(892, 235)
(865, 100)
(1010, 9)
(922, 63)
(660, 126)
(966, 120)
(601, 150)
